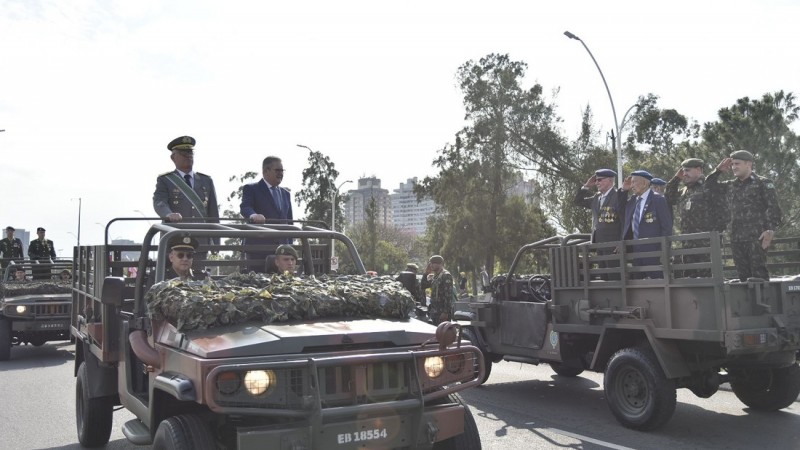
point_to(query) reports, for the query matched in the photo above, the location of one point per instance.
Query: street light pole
(617, 148)
(333, 211)
(80, 202)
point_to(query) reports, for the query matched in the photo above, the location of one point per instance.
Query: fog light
(21, 309)
(257, 382)
(434, 366)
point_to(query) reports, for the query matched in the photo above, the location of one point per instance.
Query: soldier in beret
(19, 274)
(443, 295)
(286, 259)
(657, 185)
(695, 204)
(183, 194)
(755, 213)
(607, 206)
(646, 215)
(181, 256)
(10, 248)
(43, 251)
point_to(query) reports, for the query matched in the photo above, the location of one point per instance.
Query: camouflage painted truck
(685, 323)
(244, 360)
(34, 311)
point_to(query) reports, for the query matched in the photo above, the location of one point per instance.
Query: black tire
(470, 439)
(637, 392)
(565, 371)
(767, 389)
(5, 339)
(469, 334)
(93, 416)
(184, 432)
(38, 341)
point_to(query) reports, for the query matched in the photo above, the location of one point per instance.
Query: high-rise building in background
(401, 208)
(407, 213)
(359, 199)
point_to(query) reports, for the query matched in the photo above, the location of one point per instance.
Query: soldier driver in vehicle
(286, 259)
(181, 256)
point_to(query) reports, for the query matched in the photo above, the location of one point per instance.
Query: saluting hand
(679, 174)
(725, 165)
(590, 183)
(626, 184)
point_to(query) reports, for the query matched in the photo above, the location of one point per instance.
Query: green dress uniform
(42, 251)
(754, 209)
(10, 249)
(442, 296)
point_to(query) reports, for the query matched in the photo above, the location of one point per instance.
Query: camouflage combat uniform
(693, 209)
(754, 209)
(441, 296)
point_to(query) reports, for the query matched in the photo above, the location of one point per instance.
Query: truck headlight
(21, 309)
(257, 382)
(434, 366)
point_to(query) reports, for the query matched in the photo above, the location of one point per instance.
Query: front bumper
(410, 429)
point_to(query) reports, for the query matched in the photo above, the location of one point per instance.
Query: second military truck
(651, 329)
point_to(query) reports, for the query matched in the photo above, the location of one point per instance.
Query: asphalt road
(520, 407)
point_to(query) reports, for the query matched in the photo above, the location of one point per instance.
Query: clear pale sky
(91, 91)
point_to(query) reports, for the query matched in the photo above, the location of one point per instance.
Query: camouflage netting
(15, 288)
(196, 305)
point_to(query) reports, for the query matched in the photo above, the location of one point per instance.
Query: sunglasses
(182, 255)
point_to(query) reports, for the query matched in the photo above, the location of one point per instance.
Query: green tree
(508, 127)
(319, 179)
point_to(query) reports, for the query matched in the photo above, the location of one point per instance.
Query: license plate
(380, 432)
(52, 326)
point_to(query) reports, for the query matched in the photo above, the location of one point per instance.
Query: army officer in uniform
(181, 254)
(183, 194)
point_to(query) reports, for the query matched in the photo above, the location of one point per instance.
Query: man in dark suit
(607, 207)
(186, 195)
(266, 202)
(647, 214)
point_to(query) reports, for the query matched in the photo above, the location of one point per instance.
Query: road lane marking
(584, 438)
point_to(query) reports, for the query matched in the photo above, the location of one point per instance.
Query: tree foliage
(319, 179)
(508, 127)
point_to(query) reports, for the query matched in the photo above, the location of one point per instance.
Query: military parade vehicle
(34, 304)
(247, 360)
(685, 323)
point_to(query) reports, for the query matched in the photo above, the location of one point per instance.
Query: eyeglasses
(182, 255)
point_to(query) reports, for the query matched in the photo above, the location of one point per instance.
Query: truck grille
(50, 310)
(339, 386)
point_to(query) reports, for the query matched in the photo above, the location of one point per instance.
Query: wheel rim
(632, 392)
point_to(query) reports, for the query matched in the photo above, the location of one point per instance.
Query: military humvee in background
(34, 310)
(313, 382)
(687, 322)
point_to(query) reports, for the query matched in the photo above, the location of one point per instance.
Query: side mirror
(113, 291)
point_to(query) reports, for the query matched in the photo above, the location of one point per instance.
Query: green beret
(692, 162)
(183, 243)
(286, 249)
(412, 266)
(436, 259)
(742, 155)
(181, 143)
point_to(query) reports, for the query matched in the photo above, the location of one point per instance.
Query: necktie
(637, 215)
(277, 197)
(188, 179)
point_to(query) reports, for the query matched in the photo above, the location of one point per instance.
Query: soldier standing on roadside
(755, 213)
(694, 206)
(10, 247)
(441, 283)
